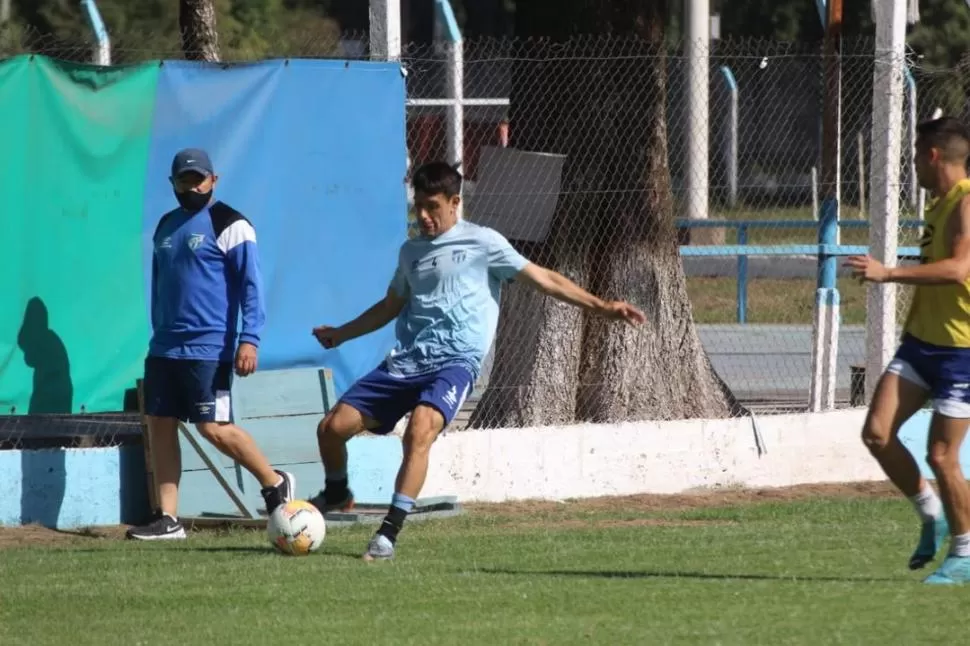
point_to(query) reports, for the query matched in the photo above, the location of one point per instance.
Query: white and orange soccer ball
(296, 528)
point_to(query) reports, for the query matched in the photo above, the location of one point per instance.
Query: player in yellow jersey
(933, 360)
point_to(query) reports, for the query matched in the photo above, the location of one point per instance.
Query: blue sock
(402, 502)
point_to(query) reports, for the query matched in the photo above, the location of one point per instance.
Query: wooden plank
(325, 376)
(213, 462)
(279, 393)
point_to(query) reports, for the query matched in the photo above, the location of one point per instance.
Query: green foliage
(248, 29)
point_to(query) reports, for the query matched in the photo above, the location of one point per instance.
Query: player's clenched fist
(327, 336)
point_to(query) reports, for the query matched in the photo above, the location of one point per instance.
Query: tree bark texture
(197, 24)
(601, 101)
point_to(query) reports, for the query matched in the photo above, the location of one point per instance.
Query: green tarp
(73, 320)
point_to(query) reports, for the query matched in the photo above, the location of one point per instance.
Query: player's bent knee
(419, 441)
(424, 427)
(943, 458)
(342, 423)
(876, 435)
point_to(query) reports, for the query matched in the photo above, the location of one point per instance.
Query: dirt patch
(37, 535)
(700, 499)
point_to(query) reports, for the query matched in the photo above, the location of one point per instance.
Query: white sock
(960, 545)
(927, 504)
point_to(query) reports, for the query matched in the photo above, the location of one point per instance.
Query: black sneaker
(281, 493)
(328, 500)
(162, 528)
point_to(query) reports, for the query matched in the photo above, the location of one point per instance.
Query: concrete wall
(650, 457)
(67, 488)
(79, 487)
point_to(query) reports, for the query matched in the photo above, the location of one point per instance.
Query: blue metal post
(742, 277)
(730, 150)
(822, 11)
(828, 228)
(102, 54)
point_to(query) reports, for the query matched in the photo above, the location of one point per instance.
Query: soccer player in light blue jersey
(445, 297)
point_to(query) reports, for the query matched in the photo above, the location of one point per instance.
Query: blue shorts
(943, 372)
(385, 398)
(191, 390)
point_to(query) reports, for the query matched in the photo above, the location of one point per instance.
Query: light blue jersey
(452, 284)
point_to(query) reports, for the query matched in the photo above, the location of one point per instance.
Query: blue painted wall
(914, 436)
(67, 488)
(373, 465)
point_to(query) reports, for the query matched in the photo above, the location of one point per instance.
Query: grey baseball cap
(192, 160)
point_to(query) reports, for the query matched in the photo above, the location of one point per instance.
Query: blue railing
(826, 252)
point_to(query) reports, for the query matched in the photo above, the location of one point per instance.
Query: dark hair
(949, 135)
(436, 178)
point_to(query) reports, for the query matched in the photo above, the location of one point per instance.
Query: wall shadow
(43, 471)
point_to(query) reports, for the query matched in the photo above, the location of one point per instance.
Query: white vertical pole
(698, 47)
(456, 111)
(887, 122)
(912, 185)
(815, 193)
(385, 30)
(825, 350)
(447, 26)
(921, 195)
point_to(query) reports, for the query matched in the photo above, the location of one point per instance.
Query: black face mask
(192, 201)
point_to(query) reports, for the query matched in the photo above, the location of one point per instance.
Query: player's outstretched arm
(954, 269)
(561, 288)
(376, 317)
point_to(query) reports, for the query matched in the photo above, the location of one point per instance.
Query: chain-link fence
(579, 152)
(42, 431)
(585, 166)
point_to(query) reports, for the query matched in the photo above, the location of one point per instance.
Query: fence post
(448, 30)
(742, 276)
(921, 194)
(102, 52)
(887, 121)
(730, 149)
(385, 29)
(825, 332)
(912, 184)
(697, 46)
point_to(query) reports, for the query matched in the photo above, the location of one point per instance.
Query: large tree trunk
(197, 23)
(600, 100)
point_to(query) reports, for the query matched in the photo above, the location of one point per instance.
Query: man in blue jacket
(205, 268)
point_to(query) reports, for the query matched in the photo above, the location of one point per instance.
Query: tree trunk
(600, 100)
(197, 23)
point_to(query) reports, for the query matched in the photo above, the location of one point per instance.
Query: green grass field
(774, 301)
(824, 565)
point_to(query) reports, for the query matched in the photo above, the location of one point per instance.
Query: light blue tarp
(314, 154)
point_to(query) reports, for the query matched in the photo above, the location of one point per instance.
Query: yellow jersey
(940, 314)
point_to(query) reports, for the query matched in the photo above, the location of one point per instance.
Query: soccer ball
(296, 528)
